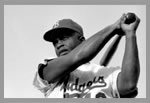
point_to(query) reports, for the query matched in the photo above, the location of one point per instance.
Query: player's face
(65, 43)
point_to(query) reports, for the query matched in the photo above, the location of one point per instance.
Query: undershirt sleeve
(40, 83)
(114, 75)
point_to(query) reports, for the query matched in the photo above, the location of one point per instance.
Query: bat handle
(130, 18)
(110, 51)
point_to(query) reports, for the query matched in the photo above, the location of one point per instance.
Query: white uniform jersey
(87, 81)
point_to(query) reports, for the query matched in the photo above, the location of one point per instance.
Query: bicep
(59, 67)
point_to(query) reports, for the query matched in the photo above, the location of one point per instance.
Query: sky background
(24, 47)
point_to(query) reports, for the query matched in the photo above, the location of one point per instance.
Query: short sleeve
(40, 83)
(114, 76)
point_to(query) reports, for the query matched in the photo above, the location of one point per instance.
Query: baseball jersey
(87, 81)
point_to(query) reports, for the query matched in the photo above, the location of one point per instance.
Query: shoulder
(43, 64)
(45, 61)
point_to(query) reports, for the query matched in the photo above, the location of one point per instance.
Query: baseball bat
(130, 18)
(110, 51)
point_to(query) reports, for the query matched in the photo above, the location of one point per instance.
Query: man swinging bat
(71, 75)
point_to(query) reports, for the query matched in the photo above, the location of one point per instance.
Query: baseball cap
(61, 26)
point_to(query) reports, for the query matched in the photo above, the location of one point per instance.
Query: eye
(55, 42)
(65, 37)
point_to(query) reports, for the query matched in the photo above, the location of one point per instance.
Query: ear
(81, 38)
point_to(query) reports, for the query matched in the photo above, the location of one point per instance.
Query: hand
(131, 27)
(117, 25)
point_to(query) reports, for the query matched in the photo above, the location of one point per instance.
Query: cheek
(73, 44)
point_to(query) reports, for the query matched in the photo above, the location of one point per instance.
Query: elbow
(49, 78)
(131, 87)
(128, 88)
(130, 92)
(47, 75)
(131, 77)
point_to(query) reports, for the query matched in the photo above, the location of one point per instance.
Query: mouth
(63, 52)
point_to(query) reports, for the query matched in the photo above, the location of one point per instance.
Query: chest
(86, 85)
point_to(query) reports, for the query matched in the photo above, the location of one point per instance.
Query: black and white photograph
(75, 51)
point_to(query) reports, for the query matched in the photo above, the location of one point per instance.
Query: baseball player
(71, 75)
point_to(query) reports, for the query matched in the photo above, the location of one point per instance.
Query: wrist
(115, 28)
(109, 30)
(130, 34)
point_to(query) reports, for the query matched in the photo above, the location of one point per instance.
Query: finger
(118, 22)
(137, 22)
(123, 18)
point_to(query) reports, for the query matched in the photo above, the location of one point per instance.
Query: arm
(128, 78)
(83, 53)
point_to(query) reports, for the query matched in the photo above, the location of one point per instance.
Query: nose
(59, 44)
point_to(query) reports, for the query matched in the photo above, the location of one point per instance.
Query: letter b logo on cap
(56, 24)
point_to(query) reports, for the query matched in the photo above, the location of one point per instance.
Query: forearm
(130, 65)
(89, 48)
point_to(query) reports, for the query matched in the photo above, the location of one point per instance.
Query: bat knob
(130, 18)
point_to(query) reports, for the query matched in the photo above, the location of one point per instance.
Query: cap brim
(53, 33)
